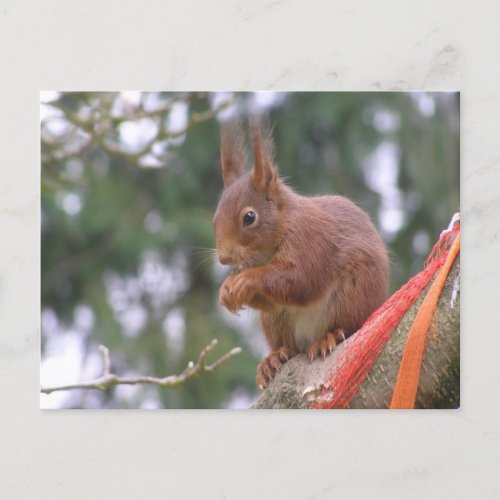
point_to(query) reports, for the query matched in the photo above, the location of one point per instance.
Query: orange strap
(405, 390)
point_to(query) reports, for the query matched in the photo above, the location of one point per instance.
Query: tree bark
(298, 382)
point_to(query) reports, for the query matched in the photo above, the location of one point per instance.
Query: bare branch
(99, 132)
(109, 379)
(105, 358)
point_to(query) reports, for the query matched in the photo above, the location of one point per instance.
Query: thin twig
(109, 379)
(98, 132)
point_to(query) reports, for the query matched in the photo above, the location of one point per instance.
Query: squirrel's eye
(249, 218)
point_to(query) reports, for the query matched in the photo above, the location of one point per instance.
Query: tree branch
(99, 131)
(299, 382)
(109, 379)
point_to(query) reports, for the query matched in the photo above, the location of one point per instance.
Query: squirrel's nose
(225, 256)
(224, 259)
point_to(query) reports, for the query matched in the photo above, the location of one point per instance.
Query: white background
(242, 45)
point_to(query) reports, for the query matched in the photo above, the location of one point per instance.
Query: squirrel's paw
(243, 289)
(271, 364)
(226, 296)
(326, 344)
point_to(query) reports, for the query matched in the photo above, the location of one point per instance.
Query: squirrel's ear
(233, 156)
(264, 176)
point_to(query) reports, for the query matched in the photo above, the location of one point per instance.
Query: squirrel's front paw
(243, 288)
(271, 364)
(238, 290)
(226, 297)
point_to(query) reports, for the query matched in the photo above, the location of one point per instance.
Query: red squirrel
(315, 267)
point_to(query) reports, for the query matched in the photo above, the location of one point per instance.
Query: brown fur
(311, 265)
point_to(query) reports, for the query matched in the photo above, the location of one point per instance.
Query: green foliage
(126, 216)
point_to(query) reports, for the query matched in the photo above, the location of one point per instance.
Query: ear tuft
(264, 176)
(233, 155)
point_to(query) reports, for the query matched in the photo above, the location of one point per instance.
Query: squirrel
(315, 267)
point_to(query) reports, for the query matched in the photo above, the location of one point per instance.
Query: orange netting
(358, 357)
(405, 390)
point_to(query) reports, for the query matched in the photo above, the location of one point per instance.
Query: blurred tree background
(129, 184)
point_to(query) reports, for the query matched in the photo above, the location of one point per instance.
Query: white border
(241, 45)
